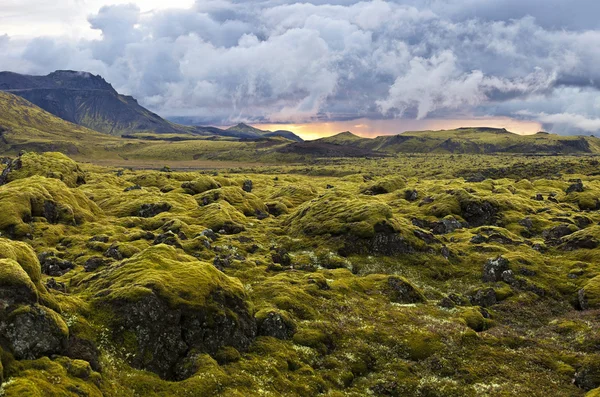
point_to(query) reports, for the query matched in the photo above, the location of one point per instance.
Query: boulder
(166, 303)
(587, 376)
(34, 331)
(276, 324)
(53, 266)
(151, 210)
(484, 297)
(400, 290)
(247, 186)
(49, 165)
(577, 187)
(493, 269)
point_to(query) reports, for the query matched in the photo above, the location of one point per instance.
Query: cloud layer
(221, 61)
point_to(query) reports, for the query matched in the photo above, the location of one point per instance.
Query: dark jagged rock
(484, 297)
(453, 300)
(478, 239)
(282, 257)
(151, 210)
(56, 285)
(575, 187)
(210, 234)
(479, 213)
(202, 312)
(34, 331)
(588, 376)
(113, 252)
(13, 165)
(401, 290)
(411, 195)
(99, 239)
(53, 266)
(247, 186)
(130, 188)
(554, 234)
(493, 269)
(475, 178)
(83, 349)
(168, 238)
(95, 262)
(275, 324)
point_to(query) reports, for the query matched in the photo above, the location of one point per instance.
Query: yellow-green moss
(169, 273)
(50, 165)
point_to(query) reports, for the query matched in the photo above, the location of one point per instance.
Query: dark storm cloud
(275, 61)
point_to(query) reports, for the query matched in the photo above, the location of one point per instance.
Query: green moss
(340, 214)
(246, 203)
(163, 270)
(50, 165)
(201, 184)
(385, 185)
(45, 377)
(221, 215)
(473, 319)
(422, 344)
(312, 338)
(29, 198)
(591, 293)
(12, 275)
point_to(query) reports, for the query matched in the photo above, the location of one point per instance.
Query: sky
(324, 66)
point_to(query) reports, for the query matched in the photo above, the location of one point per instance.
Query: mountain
(24, 126)
(482, 140)
(283, 134)
(88, 100)
(243, 130)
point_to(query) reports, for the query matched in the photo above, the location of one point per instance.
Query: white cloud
(279, 60)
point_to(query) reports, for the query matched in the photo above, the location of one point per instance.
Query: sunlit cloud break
(266, 62)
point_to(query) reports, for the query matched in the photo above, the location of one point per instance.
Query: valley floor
(440, 275)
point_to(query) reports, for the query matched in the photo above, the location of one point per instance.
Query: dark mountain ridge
(90, 101)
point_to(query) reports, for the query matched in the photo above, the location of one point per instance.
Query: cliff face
(88, 100)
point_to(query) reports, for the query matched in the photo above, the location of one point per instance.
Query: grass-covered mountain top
(483, 140)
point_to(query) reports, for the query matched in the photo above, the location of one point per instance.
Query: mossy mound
(385, 185)
(294, 195)
(16, 286)
(143, 203)
(25, 200)
(50, 165)
(162, 303)
(29, 330)
(589, 295)
(25, 256)
(46, 377)
(221, 216)
(340, 214)
(33, 331)
(360, 225)
(246, 203)
(200, 185)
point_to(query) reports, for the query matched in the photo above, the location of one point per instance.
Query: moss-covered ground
(440, 275)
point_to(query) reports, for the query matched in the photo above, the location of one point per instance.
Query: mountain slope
(243, 130)
(283, 134)
(481, 140)
(87, 100)
(24, 126)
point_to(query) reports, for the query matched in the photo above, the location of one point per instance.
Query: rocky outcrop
(177, 304)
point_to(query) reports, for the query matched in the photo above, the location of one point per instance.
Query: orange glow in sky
(372, 128)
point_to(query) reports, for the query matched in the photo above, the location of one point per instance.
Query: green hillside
(470, 141)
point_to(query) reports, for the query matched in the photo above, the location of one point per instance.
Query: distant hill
(24, 126)
(88, 100)
(243, 130)
(481, 140)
